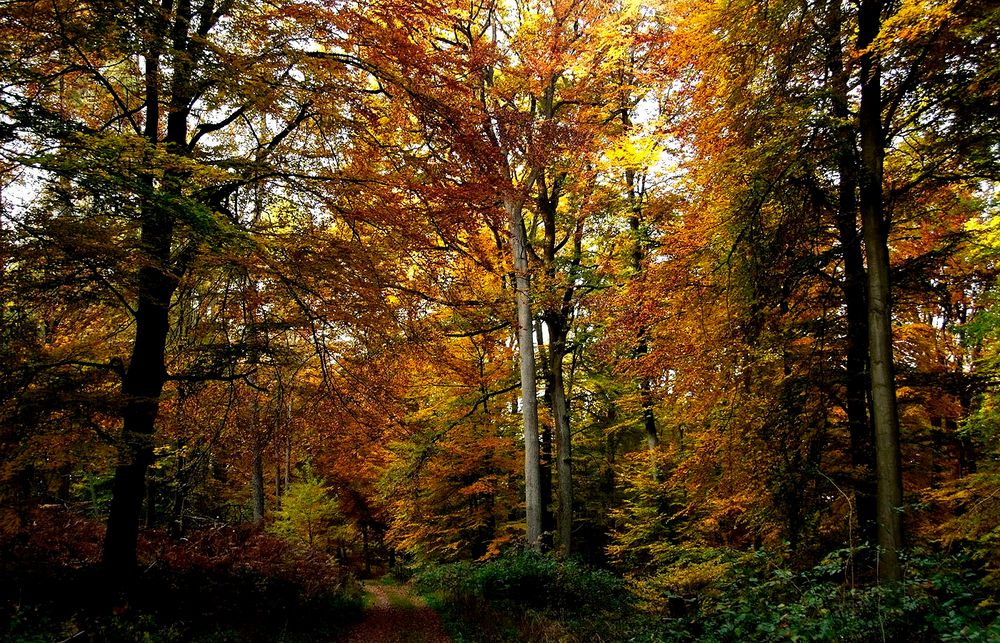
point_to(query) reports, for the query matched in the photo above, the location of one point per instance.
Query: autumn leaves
(432, 238)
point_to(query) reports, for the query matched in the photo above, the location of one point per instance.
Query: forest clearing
(499, 320)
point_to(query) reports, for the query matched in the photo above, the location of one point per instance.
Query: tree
(914, 46)
(309, 515)
(769, 227)
(885, 414)
(139, 102)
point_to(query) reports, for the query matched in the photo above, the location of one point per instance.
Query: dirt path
(397, 615)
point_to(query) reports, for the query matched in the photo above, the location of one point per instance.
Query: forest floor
(395, 614)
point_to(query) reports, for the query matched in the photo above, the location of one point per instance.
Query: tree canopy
(659, 285)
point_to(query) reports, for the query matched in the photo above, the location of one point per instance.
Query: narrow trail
(396, 615)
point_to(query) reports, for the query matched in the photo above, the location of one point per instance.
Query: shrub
(530, 579)
(309, 515)
(527, 596)
(940, 600)
(217, 584)
(714, 595)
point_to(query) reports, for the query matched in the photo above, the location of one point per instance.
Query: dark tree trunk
(853, 286)
(141, 389)
(564, 460)
(145, 375)
(278, 489)
(366, 549)
(637, 256)
(545, 475)
(257, 482)
(545, 459)
(558, 317)
(885, 413)
(151, 493)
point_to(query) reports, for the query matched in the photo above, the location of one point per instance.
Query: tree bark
(885, 414)
(558, 317)
(853, 285)
(366, 550)
(142, 384)
(278, 489)
(141, 389)
(180, 494)
(545, 459)
(526, 354)
(257, 482)
(637, 256)
(564, 460)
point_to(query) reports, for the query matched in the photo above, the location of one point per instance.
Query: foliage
(713, 595)
(240, 237)
(524, 595)
(529, 579)
(971, 503)
(940, 600)
(309, 515)
(218, 584)
(451, 476)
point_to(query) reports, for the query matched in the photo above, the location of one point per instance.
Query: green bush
(940, 600)
(713, 595)
(527, 596)
(530, 579)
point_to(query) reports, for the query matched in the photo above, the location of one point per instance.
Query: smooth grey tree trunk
(526, 353)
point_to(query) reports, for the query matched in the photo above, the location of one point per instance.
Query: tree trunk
(545, 459)
(257, 482)
(526, 353)
(150, 519)
(366, 550)
(141, 390)
(564, 461)
(637, 256)
(142, 384)
(853, 286)
(288, 462)
(558, 318)
(885, 414)
(279, 490)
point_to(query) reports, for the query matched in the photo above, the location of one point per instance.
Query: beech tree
(768, 137)
(153, 89)
(506, 124)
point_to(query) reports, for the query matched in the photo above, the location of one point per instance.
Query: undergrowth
(525, 596)
(220, 584)
(941, 599)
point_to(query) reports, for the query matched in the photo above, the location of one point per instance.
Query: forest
(545, 320)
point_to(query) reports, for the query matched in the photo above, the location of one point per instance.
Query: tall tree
(854, 275)
(503, 126)
(885, 413)
(139, 100)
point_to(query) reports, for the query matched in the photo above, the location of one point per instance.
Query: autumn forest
(573, 320)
